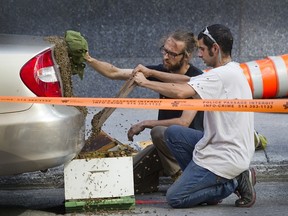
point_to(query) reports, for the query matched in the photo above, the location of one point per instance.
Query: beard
(174, 68)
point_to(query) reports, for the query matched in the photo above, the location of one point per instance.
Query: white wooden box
(98, 178)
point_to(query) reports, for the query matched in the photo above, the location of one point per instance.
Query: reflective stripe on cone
(281, 65)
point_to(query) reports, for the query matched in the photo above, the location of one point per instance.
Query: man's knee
(172, 131)
(157, 132)
(173, 200)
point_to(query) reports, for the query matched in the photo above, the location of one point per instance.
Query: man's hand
(135, 130)
(87, 57)
(140, 68)
(140, 79)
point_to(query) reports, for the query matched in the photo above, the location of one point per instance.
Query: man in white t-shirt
(215, 162)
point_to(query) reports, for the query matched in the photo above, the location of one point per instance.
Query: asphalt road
(271, 200)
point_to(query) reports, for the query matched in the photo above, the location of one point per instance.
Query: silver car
(34, 136)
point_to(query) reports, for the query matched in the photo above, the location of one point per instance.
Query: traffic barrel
(268, 78)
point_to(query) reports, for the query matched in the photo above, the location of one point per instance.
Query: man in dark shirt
(197, 122)
(177, 49)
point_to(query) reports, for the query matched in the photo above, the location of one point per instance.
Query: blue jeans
(196, 185)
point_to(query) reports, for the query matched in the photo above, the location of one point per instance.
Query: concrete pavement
(271, 164)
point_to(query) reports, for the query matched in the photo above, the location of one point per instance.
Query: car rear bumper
(41, 137)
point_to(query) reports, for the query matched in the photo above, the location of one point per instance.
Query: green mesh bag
(77, 47)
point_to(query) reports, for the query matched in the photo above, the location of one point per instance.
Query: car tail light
(40, 77)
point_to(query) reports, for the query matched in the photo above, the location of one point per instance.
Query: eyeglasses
(206, 32)
(170, 54)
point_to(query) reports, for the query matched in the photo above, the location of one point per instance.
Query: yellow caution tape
(239, 105)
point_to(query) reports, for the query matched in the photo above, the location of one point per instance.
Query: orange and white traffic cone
(268, 78)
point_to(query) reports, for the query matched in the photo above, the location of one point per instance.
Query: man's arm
(171, 90)
(108, 70)
(163, 76)
(184, 120)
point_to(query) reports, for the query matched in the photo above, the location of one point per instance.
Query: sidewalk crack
(267, 157)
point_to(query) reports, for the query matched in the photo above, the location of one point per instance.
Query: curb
(264, 173)
(271, 172)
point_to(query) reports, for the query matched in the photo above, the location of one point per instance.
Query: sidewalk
(271, 164)
(271, 187)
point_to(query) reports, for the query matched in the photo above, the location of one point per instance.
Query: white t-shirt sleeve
(207, 85)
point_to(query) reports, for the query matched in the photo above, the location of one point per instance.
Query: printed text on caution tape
(253, 105)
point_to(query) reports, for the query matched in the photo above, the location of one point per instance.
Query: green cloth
(77, 47)
(260, 141)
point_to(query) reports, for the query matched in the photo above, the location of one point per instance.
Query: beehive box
(100, 182)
